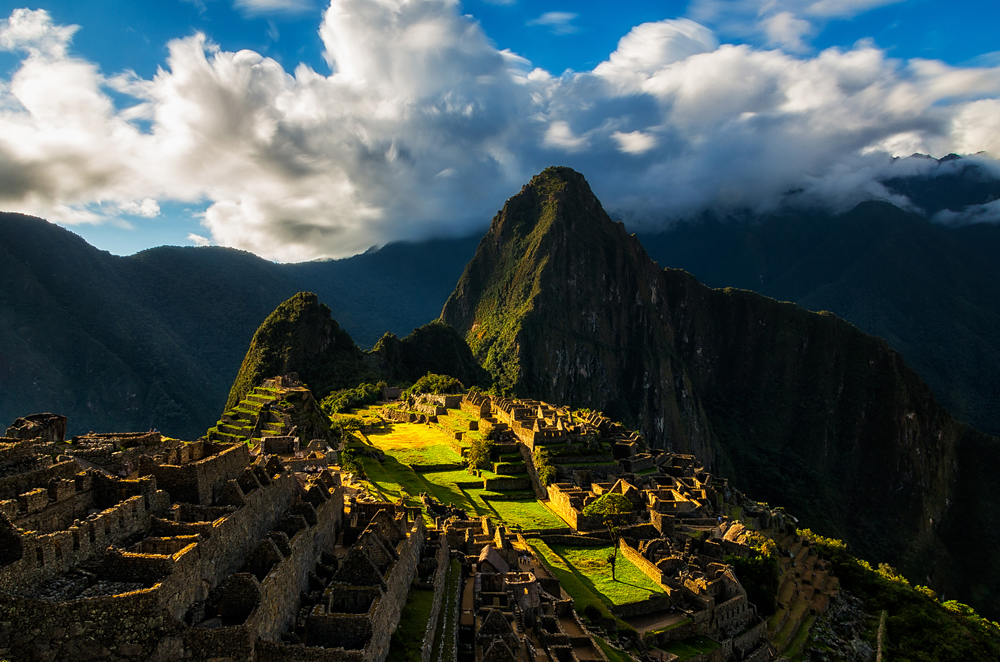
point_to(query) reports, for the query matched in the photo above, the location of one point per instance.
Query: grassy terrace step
(784, 636)
(798, 642)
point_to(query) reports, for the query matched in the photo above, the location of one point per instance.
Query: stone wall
(644, 564)
(560, 501)
(440, 583)
(395, 415)
(290, 577)
(46, 555)
(397, 581)
(506, 484)
(178, 572)
(13, 486)
(476, 404)
(198, 481)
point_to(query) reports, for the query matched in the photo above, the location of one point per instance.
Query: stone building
(204, 556)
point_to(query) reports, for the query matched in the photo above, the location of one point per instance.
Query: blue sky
(241, 123)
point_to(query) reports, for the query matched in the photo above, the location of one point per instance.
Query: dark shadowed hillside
(932, 290)
(156, 339)
(300, 336)
(800, 408)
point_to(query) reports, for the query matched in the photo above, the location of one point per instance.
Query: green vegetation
(582, 571)
(408, 638)
(691, 647)
(436, 384)
(543, 465)
(351, 463)
(433, 348)
(759, 573)
(480, 453)
(612, 508)
(415, 445)
(918, 628)
(301, 336)
(345, 400)
(526, 515)
(501, 283)
(613, 654)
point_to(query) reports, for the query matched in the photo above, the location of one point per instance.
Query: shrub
(480, 453)
(346, 399)
(351, 463)
(436, 384)
(543, 465)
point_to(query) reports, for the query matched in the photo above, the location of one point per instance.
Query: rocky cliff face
(798, 408)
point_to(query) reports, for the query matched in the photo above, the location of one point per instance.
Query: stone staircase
(804, 594)
(240, 424)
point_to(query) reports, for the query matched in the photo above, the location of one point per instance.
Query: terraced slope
(807, 586)
(272, 412)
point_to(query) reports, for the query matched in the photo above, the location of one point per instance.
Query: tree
(480, 453)
(612, 507)
(543, 465)
(351, 463)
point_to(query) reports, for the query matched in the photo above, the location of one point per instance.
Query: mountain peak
(556, 195)
(551, 244)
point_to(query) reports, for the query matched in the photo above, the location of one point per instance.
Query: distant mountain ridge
(798, 408)
(155, 339)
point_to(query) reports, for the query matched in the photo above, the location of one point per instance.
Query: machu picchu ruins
(253, 543)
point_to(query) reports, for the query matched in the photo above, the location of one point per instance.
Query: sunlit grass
(588, 571)
(412, 443)
(530, 515)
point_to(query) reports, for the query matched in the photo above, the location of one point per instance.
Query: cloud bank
(424, 128)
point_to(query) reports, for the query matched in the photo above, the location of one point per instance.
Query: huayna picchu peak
(560, 303)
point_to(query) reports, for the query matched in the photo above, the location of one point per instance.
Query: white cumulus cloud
(424, 128)
(558, 22)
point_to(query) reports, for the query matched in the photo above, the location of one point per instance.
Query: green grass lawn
(586, 570)
(458, 421)
(407, 640)
(486, 473)
(688, 648)
(529, 515)
(411, 443)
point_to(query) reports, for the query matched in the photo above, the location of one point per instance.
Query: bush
(346, 399)
(435, 384)
(760, 576)
(919, 628)
(351, 463)
(480, 453)
(543, 465)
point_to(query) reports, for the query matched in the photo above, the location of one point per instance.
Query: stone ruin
(512, 609)
(209, 552)
(679, 536)
(45, 427)
(280, 408)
